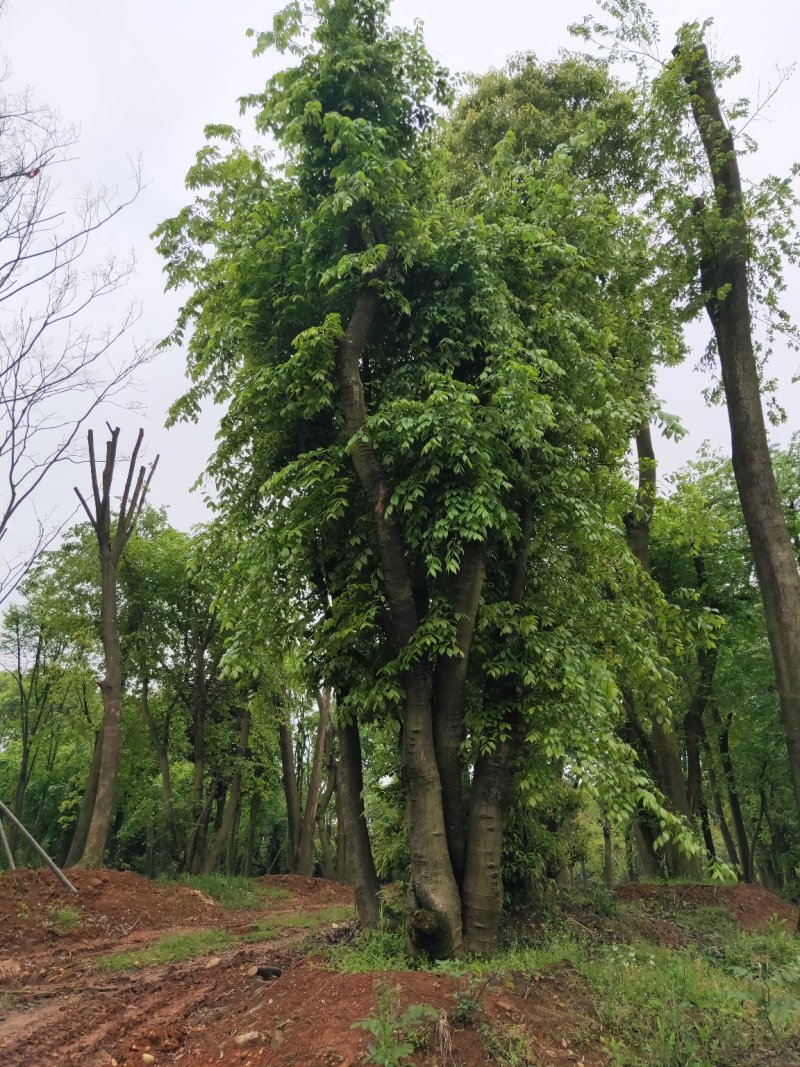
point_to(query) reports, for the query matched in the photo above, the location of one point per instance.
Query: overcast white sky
(147, 76)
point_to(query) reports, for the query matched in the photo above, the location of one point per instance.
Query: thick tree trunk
(724, 279)
(483, 882)
(87, 805)
(450, 681)
(435, 905)
(491, 783)
(355, 849)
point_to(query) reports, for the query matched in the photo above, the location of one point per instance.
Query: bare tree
(56, 368)
(111, 541)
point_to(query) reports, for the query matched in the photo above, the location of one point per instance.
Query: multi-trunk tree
(429, 399)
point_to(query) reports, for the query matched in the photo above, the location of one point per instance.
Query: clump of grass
(508, 1043)
(298, 920)
(64, 918)
(372, 950)
(234, 892)
(169, 949)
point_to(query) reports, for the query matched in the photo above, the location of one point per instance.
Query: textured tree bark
(354, 848)
(450, 681)
(435, 906)
(491, 783)
(724, 267)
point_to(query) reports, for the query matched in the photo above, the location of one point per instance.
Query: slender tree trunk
(666, 750)
(727, 836)
(87, 805)
(292, 794)
(305, 850)
(230, 811)
(161, 749)
(724, 278)
(355, 850)
(737, 817)
(250, 841)
(608, 856)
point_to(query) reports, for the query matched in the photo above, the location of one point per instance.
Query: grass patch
(65, 918)
(298, 920)
(169, 949)
(234, 892)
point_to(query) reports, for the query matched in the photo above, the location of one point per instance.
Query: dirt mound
(307, 1016)
(750, 905)
(37, 909)
(309, 890)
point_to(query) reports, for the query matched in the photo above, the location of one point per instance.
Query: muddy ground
(59, 1006)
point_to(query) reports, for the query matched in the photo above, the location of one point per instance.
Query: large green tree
(429, 399)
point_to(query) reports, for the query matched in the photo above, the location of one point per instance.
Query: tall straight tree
(111, 541)
(724, 267)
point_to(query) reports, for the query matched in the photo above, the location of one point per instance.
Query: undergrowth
(724, 996)
(233, 892)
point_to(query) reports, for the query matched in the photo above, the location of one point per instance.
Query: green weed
(298, 920)
(169, 949)
(234, 893)
(64, 918)
(393, 1034)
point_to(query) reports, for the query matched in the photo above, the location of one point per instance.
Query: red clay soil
(58, 1008)
(750, 905)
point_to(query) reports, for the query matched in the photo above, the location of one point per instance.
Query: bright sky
(145, 77)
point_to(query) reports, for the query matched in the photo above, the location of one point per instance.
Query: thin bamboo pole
(7, 848)
(56, 870)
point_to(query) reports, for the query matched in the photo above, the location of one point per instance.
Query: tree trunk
(350, 810)
(305, 850)
(491, 783)
(483, 882)
(292, 794)
(608, 856)
(230, 811)
(435, 905)
(733, 793)
(666, 751)
(87, 805)
(111, 690)
(250, 841)
(161, 749)
(724, 278)
(449, 699)
(727, 837)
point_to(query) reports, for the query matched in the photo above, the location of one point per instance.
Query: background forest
(443, 629)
